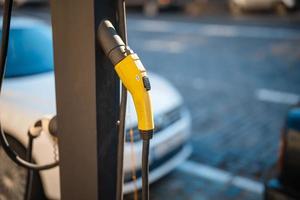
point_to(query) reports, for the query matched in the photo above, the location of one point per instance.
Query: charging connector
(134, 77)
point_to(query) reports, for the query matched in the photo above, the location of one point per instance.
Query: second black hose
(145, 169)
(123, 104)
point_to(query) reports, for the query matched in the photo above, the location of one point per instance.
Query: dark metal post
(87, 94)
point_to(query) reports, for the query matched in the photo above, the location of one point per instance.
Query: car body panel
(178, 133)
(29, 40)
(262, 4)
(286, 183)
(162, 170)
(159, 2)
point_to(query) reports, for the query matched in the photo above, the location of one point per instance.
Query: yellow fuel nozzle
(131, 72)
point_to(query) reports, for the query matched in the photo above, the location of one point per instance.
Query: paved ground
(233, 76)
(238, 77)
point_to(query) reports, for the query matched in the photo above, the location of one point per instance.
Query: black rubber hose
(17, 159)
(122, 21)
(123, 104)
(145, 169)
(7, 9)
(29, 179)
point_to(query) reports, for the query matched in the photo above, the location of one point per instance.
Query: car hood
(26, 99)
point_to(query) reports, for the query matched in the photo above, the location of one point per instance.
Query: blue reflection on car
(30, 51)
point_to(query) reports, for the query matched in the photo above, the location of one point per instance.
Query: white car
(280, 6)
(29, 94)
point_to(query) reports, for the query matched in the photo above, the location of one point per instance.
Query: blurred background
(237, 65)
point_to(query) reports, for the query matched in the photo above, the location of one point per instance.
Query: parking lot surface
(238, 78)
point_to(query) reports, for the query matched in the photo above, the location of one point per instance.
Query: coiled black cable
(7, 9)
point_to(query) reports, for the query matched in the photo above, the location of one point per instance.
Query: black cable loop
(20, 161)
(7, 9)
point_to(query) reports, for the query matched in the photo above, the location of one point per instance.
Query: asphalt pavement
(238, 78)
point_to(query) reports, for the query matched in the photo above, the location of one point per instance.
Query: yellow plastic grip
(132, 73)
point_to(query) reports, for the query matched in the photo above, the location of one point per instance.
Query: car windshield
(29, 51)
